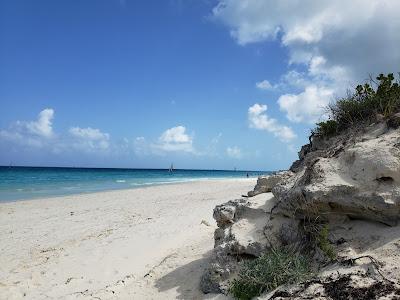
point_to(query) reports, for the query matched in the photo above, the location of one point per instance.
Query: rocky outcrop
(355, 175)
(245, 230)
(267, 182)
(350, 183)
(240, 233)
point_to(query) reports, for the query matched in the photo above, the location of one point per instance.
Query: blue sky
(203, 84)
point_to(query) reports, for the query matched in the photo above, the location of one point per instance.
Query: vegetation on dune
(362, 106)
(274, 268)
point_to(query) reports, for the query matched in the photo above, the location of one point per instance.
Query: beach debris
(69, 280)
(159, 264)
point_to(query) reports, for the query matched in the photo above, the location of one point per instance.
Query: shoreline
(143, 243)
(143, 186)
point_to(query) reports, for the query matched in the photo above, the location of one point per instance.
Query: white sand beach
(147, 243)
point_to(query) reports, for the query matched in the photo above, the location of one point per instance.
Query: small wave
(120, 181)
(69, 188)
(171, 181)
(143, 183)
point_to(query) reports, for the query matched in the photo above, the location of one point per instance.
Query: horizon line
(121, 168)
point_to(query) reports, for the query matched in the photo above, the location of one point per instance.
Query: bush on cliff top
(274, 268)
(362, 106)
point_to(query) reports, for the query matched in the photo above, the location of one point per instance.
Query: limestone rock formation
(240, 233)
(351, 183)
(354, 175)
(267, 182)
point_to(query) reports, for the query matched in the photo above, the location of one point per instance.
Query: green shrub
(324, 244)
(327, 128)
(316, 233)
(362, 106)
(274, 268)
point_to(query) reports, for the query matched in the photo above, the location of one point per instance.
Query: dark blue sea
(18, 183)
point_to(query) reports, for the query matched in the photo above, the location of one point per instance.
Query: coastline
(22, 183)
(148, 242)
(141, 186)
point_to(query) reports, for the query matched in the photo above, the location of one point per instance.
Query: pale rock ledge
(350, 183)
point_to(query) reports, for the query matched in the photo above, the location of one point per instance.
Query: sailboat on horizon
(171, 168)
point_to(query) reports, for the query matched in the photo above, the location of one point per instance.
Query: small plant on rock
(274, 268)
(316, 234)
(324, 244)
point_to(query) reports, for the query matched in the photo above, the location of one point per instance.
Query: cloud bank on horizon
(39, 134)
(332, 45)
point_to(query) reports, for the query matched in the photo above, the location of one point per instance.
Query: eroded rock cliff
(350, 183)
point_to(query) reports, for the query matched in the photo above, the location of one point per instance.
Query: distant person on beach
(247, 175)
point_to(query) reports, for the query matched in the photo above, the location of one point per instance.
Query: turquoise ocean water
(18, 183)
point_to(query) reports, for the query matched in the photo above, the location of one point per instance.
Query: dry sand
(147, 243)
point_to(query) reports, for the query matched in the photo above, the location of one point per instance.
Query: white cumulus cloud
(264, 85)
(308, 106)
(175, 135)
(40, 134)
(258, 119)
(90, 138)
(175, 139)
(339, 43)
(43, 125)
(31, 133)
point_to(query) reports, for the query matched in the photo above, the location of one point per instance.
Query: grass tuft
(274, 268)
(324, 244)
(316, 233)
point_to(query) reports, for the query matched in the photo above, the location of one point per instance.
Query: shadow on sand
(186, 280)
